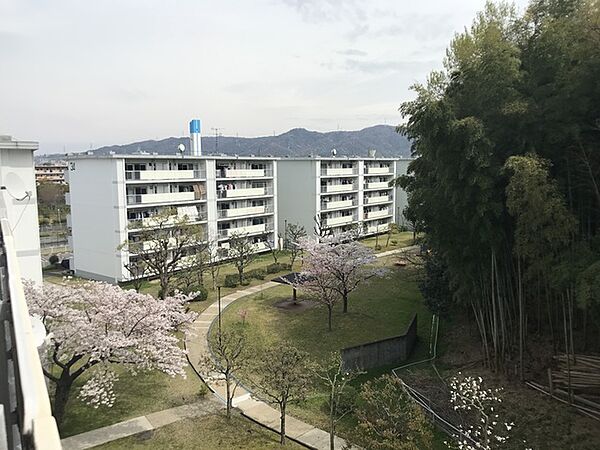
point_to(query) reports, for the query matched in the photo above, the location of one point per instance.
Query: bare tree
(392, 228)
(283, 375)
(192, 268)
(242, 252)
(214, 257)
(137, 270)
(294, 232)
(162, 243)
(341, 400)
(230, 350)
(272, 246)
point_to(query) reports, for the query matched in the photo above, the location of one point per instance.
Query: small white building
(340, 193)
(19, 200)
(110, 196)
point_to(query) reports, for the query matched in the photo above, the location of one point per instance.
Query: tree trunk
(241, 273)
(282, 423)
(329, 314)
(229, 399)
(164, 285)
(61, 396)
(331, 421)
(345, 299)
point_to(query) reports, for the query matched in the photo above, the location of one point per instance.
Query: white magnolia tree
(343, 260)
(488, 431)
(94, 326)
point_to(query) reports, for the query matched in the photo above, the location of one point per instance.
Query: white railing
(377, 185)
(337, 188)
(242, 173)
(158, 175)
(242, 192)
(163, 197)
(342, 220)
(250, 229)
(377, 199)
(377, 170)
(338, 204)
(378, 228)
(237, 212)
(376, 214)
(28, 420)
(338, 171)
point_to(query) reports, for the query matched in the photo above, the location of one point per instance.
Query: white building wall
(98, 217)
(400, 200)
(17, 178)
(298, 192)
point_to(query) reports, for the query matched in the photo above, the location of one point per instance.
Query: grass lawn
(380, 308)
(205, 433)
(401, 239)
(136, 396)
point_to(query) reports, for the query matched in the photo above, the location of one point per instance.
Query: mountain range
(296, 142)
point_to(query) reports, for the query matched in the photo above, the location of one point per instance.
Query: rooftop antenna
(218, 134)
(181, 149)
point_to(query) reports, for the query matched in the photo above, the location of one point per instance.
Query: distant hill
(296, 142)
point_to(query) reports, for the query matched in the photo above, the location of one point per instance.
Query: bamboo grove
(505, 181)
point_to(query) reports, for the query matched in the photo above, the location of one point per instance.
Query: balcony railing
(148, 222)
(25, 413)
(244, 173)
(164, 197)
(378, 170)
(377, 185)
(337, 204)
(338, 171)
(166, 175)
(245, 230)
(341, 220)
(334, 188)
(244, 211)
(377, 214)
(378, 228)
(377, 199)
(244, 192)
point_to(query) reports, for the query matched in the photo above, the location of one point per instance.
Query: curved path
(256, 410)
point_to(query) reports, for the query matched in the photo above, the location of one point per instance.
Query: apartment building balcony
(163, 175)
(149, 222)
(377, 185)
(378, 228)
(243, 230)
(377, 199)
(377, 213)
(335, 188)
(337, 221)
(245, 211)
(244, 173)
(338, 171)
(338, 204)
(244, 192)
(378, 170)
(260, 246)
(163, 197)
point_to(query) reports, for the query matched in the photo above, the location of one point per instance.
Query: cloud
(385, 66)
(351, 52)
(319, 11)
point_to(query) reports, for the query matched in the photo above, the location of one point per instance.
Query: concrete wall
(98, 215)
(297, 195)
(17, 178)
(384, 352)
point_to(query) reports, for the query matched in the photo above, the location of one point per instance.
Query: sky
(80, 74)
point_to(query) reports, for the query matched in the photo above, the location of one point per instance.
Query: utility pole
(218, 134)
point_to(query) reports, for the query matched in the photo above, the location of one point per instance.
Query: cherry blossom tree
(93, 327)
(319, 286)
(488, 431)
(343, 259)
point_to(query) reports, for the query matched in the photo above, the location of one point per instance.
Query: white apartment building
(339, 193)
(19, 203)
(111, 196)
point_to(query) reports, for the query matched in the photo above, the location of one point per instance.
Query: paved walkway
(206, 406)
(254, 409)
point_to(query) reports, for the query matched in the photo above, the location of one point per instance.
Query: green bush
(53, 260)
(231, 280)
(257, 274)
(394, 242)
(278, 267)
(201, 293)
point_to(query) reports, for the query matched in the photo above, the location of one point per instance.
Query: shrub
(257, 274)
(53, 260)
(394, 242)
(231, 280)
(278, 267)
(201, 293)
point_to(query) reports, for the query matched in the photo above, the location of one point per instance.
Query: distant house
(51, 173)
